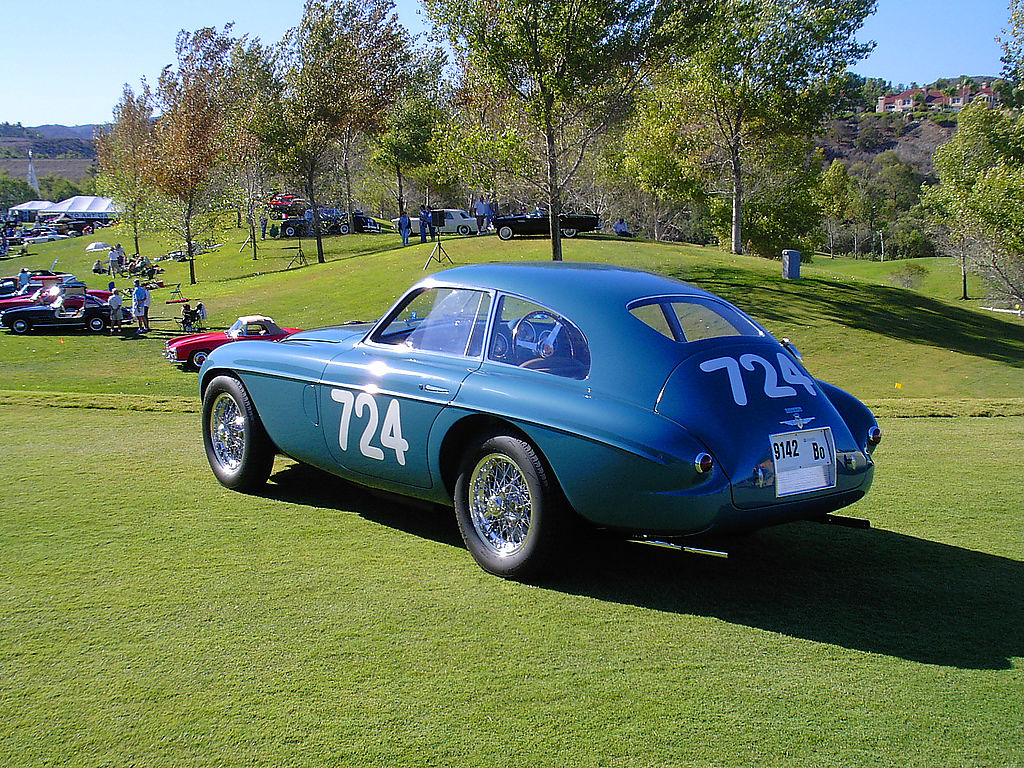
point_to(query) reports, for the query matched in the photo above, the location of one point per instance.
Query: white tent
(98, 246)
(83, 207)
(25, 211)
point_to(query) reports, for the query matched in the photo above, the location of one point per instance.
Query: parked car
(47, 295)
(571, 225)
(332, 225)
(92, 315)
(191, 351)
(532, 396)
(456, 221)
(45, 236)
(38, 278)
(285, 205)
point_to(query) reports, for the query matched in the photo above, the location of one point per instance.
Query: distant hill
(862, 137)
(50, 142)
(85, 132)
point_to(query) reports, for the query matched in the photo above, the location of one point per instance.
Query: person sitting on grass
(622, 228)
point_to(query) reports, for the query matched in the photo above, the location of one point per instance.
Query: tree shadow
(892, 312)
(870, 590)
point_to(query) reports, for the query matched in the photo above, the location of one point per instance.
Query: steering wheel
(525, 336)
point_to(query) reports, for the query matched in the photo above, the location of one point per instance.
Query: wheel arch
(461, 435)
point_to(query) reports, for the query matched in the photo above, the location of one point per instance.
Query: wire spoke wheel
(501, 504)
(510, 511)
(227, 431)
(240, 452)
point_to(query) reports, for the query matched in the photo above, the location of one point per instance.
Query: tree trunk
(737, 201)
(554, 193)
(190, 249)
(401, 192)
(963, 278)
(135, 227)
(316, 219)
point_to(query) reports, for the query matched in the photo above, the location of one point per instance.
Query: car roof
(566, 285)
(254, 319)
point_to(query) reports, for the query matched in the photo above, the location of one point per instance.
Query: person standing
(23, 278)
(263, 227)
(481, 216)
(115, 302)
(112, 265)
(405, 227)
(424, 223)
(140, 306)
(492, 211)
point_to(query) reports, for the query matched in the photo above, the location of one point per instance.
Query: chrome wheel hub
(227, 431)
(501, 505)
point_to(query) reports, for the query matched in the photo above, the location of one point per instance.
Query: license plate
(804, 461)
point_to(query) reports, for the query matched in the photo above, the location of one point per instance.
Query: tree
(14, 191)
(251, 84)
(834, 198)
(980, 195)
(567, 65)
(125, 155)
(189, 136)
(1012, 41)
(763, 69)
(409, 140)
(338, 73)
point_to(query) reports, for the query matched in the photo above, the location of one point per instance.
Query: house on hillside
(955, 98)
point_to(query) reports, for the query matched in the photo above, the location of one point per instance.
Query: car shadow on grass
(871, 590)
(302, 484)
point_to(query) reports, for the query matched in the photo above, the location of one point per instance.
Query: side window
(450, 320)
(529, 336)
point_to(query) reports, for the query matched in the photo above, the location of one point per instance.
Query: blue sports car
(531, 397)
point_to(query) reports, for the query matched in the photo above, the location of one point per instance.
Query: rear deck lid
(768, 424)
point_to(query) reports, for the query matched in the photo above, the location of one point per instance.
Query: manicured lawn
(149, 617)
(152, 618)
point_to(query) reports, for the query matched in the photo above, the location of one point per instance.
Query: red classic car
(192, 351)
(46, 295)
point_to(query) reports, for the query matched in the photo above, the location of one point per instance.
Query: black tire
(510, 512)
(238, 448)
(463, 229)
(196, 359)
(344, 229)
(570, 232)
(289, 231)
(96, 324)
(505, 232)
(21, 326)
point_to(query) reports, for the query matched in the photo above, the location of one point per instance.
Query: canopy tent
(27, 211)
(83, 207)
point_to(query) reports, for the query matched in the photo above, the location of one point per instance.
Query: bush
(908, 275)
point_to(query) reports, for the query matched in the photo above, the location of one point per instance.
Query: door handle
(432, 388)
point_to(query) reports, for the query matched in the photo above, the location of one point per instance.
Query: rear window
(693, 319)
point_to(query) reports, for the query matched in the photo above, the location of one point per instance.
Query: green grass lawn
(150, 617)
(854, 328)
(153, 618)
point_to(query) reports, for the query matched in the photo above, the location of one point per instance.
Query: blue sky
(62, 64)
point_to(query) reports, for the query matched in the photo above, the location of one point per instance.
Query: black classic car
(571, 224)
(94, 316)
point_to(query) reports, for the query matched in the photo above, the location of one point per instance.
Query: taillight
(703, 463)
